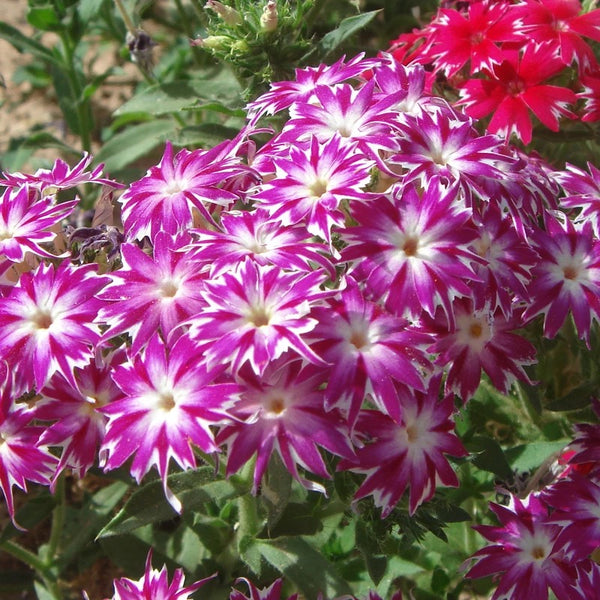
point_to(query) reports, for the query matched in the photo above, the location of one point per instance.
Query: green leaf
(304, 566)
(205, 135)
(26, 44)
(43, 139)
(276, 490)
(528, 457)
(134, 142)
(66, 101)
(149, 505)
(44, 18)
(576, 399)
(41, 592)
(346, 28)
(164, 98)
(34, 511)
(85, 522)
(89, 9)
(488, 455)
(214, 533)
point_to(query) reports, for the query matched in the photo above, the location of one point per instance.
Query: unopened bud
(212, 42)
(227, 13)
(268, 19)
(141, 47)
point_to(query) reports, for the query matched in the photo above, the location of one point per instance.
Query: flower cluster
(511, 59)
(328, 292)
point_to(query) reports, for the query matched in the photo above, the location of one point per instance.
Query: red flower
(515, 87)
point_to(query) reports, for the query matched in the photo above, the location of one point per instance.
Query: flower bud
(213, 42)
(268, 19)
(227, 13)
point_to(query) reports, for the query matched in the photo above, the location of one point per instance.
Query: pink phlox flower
(283, 411)
(575, 500)
(60, 177)
(590, 96)
(25, 222)
(255, 313)
(409, 453)
(506, 272)
(273, 592)
(567, 277)
(412, 251)
(311, 182)
(22, 457)
(169, 195)
(481, 340)
(370, 351)
(472, 36)
(437, 143)
(588, 578)
(46, 322)
(516, 86)
(152, 293)
(561, 24)
(283, 94)
(525, 552)
(154, 585)
(78, 423)
(363, 121)
(170, 403)
(582, 189)
(255, 234)
(586, 445)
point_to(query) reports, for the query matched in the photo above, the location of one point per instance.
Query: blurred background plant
(197, 63)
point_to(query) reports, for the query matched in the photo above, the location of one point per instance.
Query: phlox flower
(255, 313)
(444, 144)
(590, 96)
(412, 250)
(283, 411)
(282, 94)
(22, 457)
(516, 86)
(409, 453)
(567, 277)
(586, 445)
(362, 120)
(170, 401)
(265, 240)
(472, 36)
(25, 222)
(310, 183)
(588, 578)
(582, 191)
(525, 552)
(151, 293)
(576, 500)
(166, 198)
(46, 322)
(60, 176)
(370, 351)
(508, 261)
(273, 592)
(78, 425)
(481, 340)
(562, 24)
(154, 585)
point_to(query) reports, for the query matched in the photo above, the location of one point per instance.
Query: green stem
(189, 31)
(126, 18)
(58, 520)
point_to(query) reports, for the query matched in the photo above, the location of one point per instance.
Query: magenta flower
(60, 176)
(273, 592)
(152, 293)
(167, 197)
(255, 314)
(25, 221)
(22, 457)
(370, 351)
(525, 553)
(515, 87)
(409, 453)
(79, 425)
(413, 252)
(310, 184)
(283, 410)
(582, 191)
(481, 341)
(567, 278)
(154, 585)
(265, 240)
(46, 323)
(170, 403)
